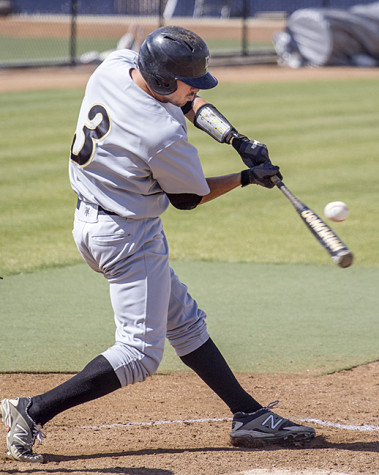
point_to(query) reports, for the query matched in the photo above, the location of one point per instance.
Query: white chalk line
(335, 425)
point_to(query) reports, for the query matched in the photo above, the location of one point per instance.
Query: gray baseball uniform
(130, 150)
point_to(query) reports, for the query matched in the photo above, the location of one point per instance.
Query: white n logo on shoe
(271, 419)
(19, 433)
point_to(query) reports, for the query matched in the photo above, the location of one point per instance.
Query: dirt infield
(115, 27)
(173, 424)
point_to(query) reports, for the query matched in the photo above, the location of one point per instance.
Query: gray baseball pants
(149, 301)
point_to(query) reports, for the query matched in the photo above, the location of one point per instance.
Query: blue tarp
(324, 37)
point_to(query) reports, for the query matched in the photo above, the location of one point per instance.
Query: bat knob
(344, 258)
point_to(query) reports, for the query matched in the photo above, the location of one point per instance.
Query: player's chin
(188, 98)
(179, 103)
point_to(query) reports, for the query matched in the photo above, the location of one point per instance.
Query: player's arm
(219, 185)
(191, 107)
(259, 175)
(208, 118)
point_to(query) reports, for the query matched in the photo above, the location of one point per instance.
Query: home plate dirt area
(173, 424)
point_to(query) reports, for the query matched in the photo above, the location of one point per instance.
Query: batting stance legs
(149, 303)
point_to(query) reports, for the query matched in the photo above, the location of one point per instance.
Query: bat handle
(286, 192)
(277, 181)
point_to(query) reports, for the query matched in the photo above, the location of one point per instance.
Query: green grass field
(19, 49)
(323, 135)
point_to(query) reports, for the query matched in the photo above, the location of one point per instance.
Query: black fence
(71, 32)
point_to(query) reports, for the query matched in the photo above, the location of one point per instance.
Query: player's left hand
(252, 152)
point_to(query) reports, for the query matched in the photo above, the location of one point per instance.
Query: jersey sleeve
(177, 169)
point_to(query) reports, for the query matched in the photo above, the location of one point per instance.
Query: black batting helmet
(170, 53)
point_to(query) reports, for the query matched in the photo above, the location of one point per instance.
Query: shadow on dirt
(318, 443)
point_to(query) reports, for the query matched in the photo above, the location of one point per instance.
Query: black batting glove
(260, 175)
(252, 152)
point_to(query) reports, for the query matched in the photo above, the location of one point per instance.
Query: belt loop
(86, 212)
(100, 210)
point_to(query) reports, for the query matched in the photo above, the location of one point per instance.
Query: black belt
(100, 210)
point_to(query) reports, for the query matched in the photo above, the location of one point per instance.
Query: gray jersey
(129, 149)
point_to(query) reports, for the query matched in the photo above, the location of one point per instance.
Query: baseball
(336, 211)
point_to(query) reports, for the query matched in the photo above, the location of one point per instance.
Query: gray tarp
(327, 37)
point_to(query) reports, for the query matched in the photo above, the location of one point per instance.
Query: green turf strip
(265, 318)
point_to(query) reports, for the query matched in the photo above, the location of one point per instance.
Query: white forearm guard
(209, 119)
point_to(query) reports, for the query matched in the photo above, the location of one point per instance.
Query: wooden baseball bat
(328, 239)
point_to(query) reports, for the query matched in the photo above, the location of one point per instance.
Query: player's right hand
(252, 152)
(260, 175)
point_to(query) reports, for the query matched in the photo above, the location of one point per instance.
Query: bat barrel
(329, 240)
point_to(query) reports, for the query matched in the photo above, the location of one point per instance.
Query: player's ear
(165, 84)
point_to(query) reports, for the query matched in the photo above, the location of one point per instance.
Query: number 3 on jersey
(95, 130)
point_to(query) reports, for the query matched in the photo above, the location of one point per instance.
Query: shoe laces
(272, 405)
(38, 434)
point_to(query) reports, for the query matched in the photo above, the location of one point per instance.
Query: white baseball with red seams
(336, 211)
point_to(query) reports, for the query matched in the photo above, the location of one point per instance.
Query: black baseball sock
(96, 380)
(210, 365)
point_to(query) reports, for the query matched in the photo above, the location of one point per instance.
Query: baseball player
(130, 158)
